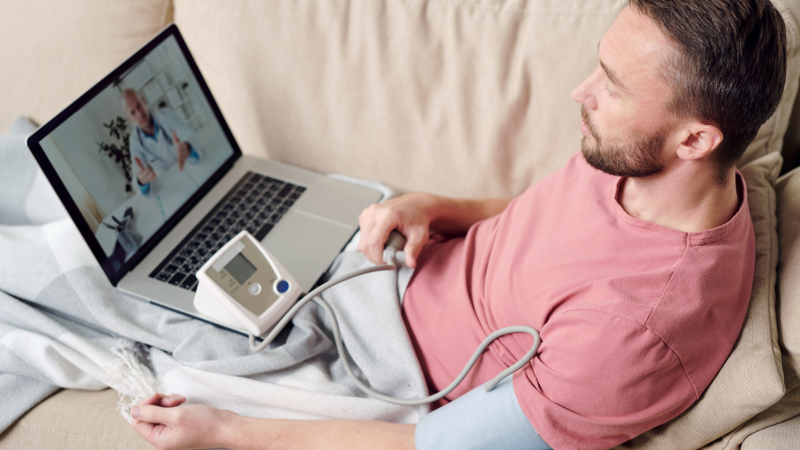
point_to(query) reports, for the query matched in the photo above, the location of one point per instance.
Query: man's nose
(584, 93)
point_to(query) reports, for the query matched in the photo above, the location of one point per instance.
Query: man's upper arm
(600, 379)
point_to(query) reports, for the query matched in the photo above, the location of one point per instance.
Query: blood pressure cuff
(479, 420)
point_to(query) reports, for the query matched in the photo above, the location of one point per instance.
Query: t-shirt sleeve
(479, 420)
(600, 379)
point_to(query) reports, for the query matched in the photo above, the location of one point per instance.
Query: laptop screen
(136, 152)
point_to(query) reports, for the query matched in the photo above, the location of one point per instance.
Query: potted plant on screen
(120, 154)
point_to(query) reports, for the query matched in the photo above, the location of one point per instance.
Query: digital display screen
(240, 268)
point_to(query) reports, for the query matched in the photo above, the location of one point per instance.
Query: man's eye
(609, 91)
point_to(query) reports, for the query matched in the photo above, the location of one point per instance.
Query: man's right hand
(408, 214)
(145, 174)
(416, 216)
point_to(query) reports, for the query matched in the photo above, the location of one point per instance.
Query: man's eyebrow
(612, 76)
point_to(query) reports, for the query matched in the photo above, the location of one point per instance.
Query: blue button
(282, 286)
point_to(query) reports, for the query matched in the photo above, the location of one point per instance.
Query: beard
(637, 158)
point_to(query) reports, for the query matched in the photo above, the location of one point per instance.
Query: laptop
(150, 173)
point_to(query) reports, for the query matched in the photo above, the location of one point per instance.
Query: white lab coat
(160, 154)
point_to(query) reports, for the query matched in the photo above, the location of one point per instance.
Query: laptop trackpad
(306, 244)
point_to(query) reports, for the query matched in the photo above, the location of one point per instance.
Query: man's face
(137, 111)
(626, 123)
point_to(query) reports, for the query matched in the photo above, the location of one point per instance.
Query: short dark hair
(729, 68)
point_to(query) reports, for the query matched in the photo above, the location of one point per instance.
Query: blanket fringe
(130, 376)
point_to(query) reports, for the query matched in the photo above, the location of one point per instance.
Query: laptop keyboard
(255, 204)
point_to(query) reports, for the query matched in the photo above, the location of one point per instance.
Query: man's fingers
(366, 221)
(152, 414)
(164, 400)
(172, 400)
(175, 137)
(146, 174)
(376, 240)
(368, 244)
(416, 239)
(152, 400)
(407, 214)
(143, 429)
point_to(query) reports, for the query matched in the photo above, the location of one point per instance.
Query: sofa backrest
(53, 51)
(462, 98)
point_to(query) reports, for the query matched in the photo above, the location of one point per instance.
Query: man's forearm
(455, 216)
(247, 433)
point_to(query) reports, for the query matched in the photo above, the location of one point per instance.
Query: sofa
(462, 98)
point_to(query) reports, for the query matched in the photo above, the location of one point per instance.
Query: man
(158, 141)
(635, 262)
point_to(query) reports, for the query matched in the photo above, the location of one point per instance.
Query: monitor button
(282, 286)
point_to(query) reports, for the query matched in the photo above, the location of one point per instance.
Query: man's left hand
(183, 150)
(162, 422)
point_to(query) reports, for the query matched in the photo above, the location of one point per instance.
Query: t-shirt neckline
(695, 237)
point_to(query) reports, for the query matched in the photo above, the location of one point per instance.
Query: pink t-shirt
(635, 318)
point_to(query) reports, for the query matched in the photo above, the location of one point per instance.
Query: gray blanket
(63, 325)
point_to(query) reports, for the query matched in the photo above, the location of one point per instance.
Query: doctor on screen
(158, 141)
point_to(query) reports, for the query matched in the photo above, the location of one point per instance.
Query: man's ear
(699, 140)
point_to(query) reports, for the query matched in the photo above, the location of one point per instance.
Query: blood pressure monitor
(243, 285)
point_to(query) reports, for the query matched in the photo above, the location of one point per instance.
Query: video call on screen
(133, 155)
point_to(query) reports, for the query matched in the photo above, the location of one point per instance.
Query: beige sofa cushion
(74, 420)
(788, 316)
(779, 423)
(53, 51)
(787, 191)
(783, 435)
